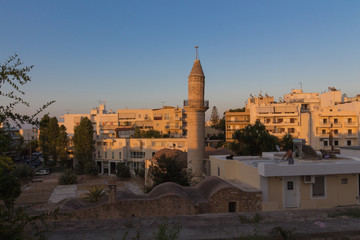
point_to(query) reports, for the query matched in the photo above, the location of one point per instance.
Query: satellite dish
(278, 148)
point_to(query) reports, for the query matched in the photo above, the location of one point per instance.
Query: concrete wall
(234, 169)
(336, 193)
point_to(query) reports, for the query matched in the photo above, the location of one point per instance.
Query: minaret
(195, 107)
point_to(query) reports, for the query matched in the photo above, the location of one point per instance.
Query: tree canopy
(13, 74)
(170, 169)
(253, 140)
(84, 142)
(52, 139)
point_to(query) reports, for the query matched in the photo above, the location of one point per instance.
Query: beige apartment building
(325, 121)
(132, 151)
(235, 121)
(167, 120)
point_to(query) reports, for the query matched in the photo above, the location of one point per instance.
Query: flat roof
(272, 165)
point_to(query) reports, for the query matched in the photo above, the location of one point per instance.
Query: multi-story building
(325, 121)
(235, 121)
(167, 120)
(132, 151)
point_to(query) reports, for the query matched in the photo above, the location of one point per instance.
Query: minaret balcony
(196, 104)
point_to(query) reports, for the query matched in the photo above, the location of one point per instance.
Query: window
(291, 130)
(99, 155)
(290, 185)
(349, 120)
(112, 155)
(349, 131)
(326, 143)
(324, 120)
(344, 181)
(318, 188)
(335, 120)
(336, 143)
(268, 120)
(280, 120)
(167, 117)
(105, 144)
(323, 131)
(292, 120)
(348, 142)
(105, 154)
(120, 155)
(336, 131)
(137, 154)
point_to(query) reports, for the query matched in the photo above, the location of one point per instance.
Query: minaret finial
(196, 52)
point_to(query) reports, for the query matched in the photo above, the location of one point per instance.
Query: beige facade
(167, 120)
(306, 184)
(132, 151)
(29, 134)
(325, 121)
(235, 121)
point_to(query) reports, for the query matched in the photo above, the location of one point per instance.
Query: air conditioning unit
(309, 179)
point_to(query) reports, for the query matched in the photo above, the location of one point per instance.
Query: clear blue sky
(138, 54)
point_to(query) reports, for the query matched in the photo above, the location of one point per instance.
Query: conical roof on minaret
(197, 69)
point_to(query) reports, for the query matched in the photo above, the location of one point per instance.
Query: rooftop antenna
(196, 47)
(163, 104)
(301, 86)
(67, 111)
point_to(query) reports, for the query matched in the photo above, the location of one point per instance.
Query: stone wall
(245, 201)
(165, 206)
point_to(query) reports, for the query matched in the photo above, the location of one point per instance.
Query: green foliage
(14, 222)
(10, 188)
(83, 142)
(23, 172)
(170, 169)
(350, 212)
(94, 194)
(12, 73)
(68, 177)
(91, 169)
(167, 231)
(220, 125)
(122, 170)
(279, 233)
(146, 134)
(6, 164)
(253, 140)
(237, 110)
(141, 172)
(62, 142)
(214, 119)
(287, 142)
(52, 139)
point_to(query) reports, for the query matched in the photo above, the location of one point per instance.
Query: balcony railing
(196, 103)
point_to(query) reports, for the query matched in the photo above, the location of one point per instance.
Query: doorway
(291, 189)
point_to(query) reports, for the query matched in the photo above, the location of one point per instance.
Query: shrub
(94, 194)
(91, 169)
(122, 171)
(23, 172)
(167, 231)
(68, 177)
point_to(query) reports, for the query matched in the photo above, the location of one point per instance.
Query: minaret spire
(196, 47)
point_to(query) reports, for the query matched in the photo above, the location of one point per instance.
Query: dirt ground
(40, 189)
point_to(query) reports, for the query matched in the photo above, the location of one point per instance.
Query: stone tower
(195, 107)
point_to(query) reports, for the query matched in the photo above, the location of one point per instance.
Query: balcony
(196, 103)
(350, 124)
(337, 125)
